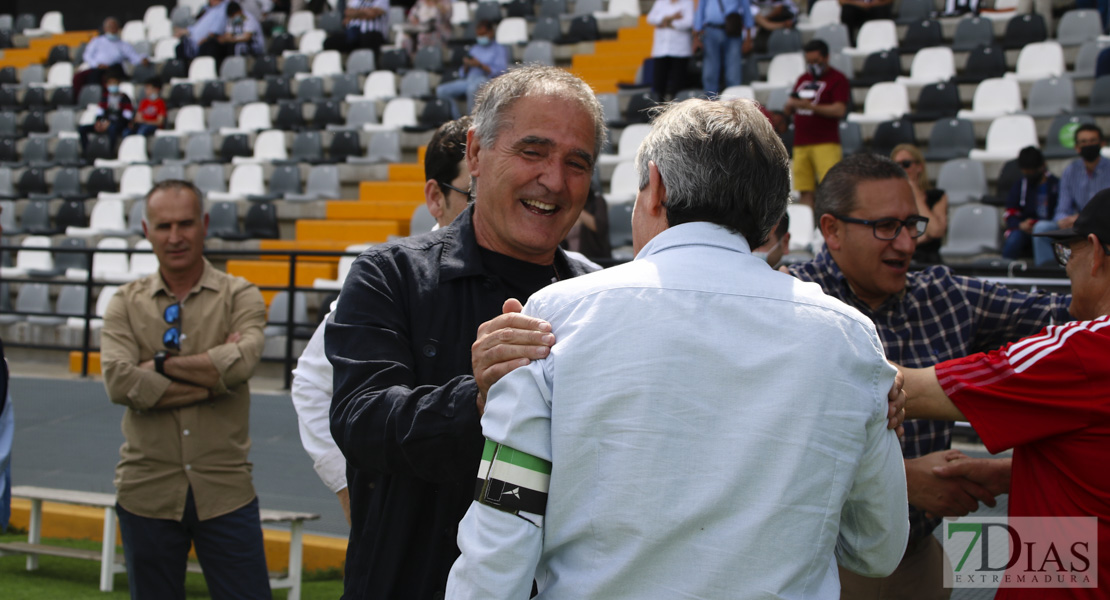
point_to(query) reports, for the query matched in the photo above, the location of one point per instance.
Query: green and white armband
(512, 481)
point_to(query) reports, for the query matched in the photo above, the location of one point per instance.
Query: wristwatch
(160, 362)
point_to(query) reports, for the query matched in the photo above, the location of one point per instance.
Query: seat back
(1051, 96)
(963, 179)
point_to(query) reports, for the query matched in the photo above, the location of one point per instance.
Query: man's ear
(785, 241)
(1098, 257)
(831, 230)
(657, 192)
(473, 146)
(433, 197)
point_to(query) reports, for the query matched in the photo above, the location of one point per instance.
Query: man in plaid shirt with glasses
(867, 214)
(178, 348)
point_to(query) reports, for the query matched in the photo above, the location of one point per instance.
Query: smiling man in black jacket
(418, 335)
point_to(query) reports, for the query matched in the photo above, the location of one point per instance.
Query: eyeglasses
(905, 164)
(889, 228)
(172, 337)
(1062, 250)
(451, 187)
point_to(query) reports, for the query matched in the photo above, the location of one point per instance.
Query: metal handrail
(90, 282)
(290, 323)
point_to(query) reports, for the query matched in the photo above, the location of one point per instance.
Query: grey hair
(721, 162)
(496, 98)
(176, 185)
(837, 193)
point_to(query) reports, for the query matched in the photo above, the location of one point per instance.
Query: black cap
(1094, 218)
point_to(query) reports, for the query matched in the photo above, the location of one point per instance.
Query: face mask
(1090, 153)
(815, 70)
(111, 37)
(237, 20)
(1034, 179)
(153, 96)
(113, 89)
(483, 40)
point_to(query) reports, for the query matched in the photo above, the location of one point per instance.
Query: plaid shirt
(940, 316)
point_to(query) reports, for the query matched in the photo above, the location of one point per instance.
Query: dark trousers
(116, 129)
(669, 74)
(229, 548)
(854, 17)
(83, 78)
(353, 38)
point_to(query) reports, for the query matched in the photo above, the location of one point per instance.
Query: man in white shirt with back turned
(665, 448)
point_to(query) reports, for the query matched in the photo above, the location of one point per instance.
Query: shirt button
(188, 467)
(186, 432)
(429, 350)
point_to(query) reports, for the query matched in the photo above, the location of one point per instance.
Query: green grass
(73, 579)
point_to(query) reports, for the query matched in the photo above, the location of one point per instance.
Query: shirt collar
(695, 234)
(462, 258)
(209, 278)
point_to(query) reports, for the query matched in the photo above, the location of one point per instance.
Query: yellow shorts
(810, 160)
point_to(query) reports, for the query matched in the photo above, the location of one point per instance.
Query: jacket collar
(461, 256)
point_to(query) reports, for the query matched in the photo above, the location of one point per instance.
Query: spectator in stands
(200, 39)
(867, 213)
(1032, 199)
(777, 244)
(854, 13)
(672, 45)
(178, 348)
(1081, 180)
(648, 456)
(103, 52)
(411, 374)
(113, 115)
(487, 59)
(818, 102)
(242, 37)
(931, 203)
(769, 16)
(724, 28)
(152, 110)
(429, 23)
(590, 234)
(1045, 397)
(259, 9)
(446, 195)
(366, 24)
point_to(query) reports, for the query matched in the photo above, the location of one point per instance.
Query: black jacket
(403, 410)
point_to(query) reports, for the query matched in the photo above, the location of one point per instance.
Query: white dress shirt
(103, 50)
(311, 391)
(677, 39)
(716, 429)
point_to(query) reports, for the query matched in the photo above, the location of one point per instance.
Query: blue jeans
(229, 548)
(724, 52)
(1043, 256)
(1016, 244)
(143, 130)
(468, 86)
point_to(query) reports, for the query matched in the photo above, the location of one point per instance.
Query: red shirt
(1046, 396)
(152, 109)
(810, 129)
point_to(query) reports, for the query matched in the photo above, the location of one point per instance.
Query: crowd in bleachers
(267, 110)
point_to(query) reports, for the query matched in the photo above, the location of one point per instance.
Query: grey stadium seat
(973, 229)
(964, 180)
